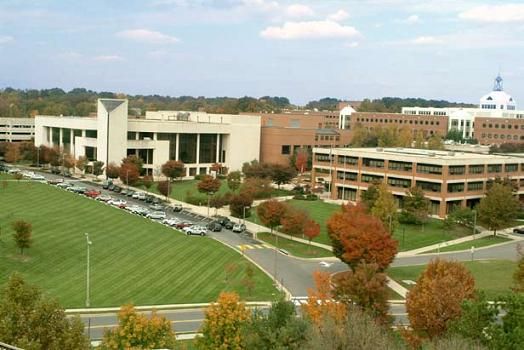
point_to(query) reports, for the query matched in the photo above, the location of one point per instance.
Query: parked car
(183, 224)
(177, 207)
(136, 209)
(130, 193)
(229, 225)
(171, 222)
(104, 198)
(239, 228)
(214, 226)
(55, 181)
(77, 189)
(64, 184)
(110, 187)
(92, 193)
(13, 171)
(118, 203)
(37, 177)
(117, 189)
(55, 170)
(106, 184)
(156, 207)
(123, 192)
(140, 196)
(156, 215)
(222, 220)
(195, 230)
(519, 230)
(149, 198)
(27, 174)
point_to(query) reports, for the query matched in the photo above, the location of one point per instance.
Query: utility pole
(474, 223)
(88, 302)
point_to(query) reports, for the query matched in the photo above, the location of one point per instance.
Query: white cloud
(108, 58)
(309, 30)
(412, 19)
(147, 36)
(338, 16)
(352, 45)
(4, 39)
(495, 13)
(299, 10)
(261, 5)
(427, 40)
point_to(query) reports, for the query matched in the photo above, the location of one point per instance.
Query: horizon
(303, 50)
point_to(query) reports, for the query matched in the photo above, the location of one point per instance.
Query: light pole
(88, 302)
(244, 215)
(474, 223)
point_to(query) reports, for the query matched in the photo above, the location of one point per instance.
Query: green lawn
(477, 243)
(494, 277)
(293, 247)
(132, 259)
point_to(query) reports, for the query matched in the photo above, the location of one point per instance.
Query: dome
(498, 98)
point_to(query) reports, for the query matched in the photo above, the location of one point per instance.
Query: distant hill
(395, 104)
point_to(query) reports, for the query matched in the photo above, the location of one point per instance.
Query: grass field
(477, 243)
(294, 248)
(408, 236)
(132, 259)
(494, 277)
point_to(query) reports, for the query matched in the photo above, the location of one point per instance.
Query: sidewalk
(394, 285)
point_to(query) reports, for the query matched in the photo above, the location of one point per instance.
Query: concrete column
(83, 133)
(218, 149)
(61, 138)
(198, 149)
(177, 146)
(72, 142)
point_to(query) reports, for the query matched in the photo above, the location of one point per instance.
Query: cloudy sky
(305, 50)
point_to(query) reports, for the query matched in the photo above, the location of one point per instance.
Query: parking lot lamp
(88, 302)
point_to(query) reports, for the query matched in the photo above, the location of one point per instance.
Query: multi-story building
(282, 134)
(17, 129)
(449, 179)
(196, 138)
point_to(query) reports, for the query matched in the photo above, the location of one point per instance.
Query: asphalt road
(293, 273)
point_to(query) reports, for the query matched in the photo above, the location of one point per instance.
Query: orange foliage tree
(136, 331)
(222, 328)
(311, 230)
(359, 237)
(320, 304)
(301, 160)
(129, 173)
(294, 221)
(271, 213)
(437, 297)
(208, 184)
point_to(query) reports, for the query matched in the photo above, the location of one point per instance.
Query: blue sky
(305, 50)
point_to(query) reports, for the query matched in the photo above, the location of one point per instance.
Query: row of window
(503, 126)
(503, 137)
(327, 137)
(399, 121)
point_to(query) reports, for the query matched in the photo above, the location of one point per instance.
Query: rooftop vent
(380, 149)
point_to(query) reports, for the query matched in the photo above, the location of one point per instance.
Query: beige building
(449, 179)
(17, 129)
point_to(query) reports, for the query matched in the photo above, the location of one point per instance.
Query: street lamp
(87, 279)
(474, 223)
(244, 214)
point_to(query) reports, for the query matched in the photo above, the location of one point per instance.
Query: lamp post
(244, 215)
(209, 194)
(474, 223)
(88, 302)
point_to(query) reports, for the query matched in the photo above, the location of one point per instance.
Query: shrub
(311, 197)
(195, 198)
(300, 197)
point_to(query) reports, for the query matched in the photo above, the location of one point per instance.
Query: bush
(300, 197)
(311, 197)
(221, 177)
(195, 198)
(407, 218)
(199, 177)
(298, 189)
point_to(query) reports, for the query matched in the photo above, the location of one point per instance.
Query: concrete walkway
(394, 285)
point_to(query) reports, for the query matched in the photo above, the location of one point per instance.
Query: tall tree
(359, 237)
(301, 160)
(222, 327)
(209, 185)
(257, 187)
(435, 143)
(98, 168)
(137, 331)
(370, 196)
(320, 305)
(136, 161)
(129, 174)
(12, 153)
(271, 213)
(416, 206)
(30, 320)
(164, 187)
(294, 221)
(234, 179)
(173, 169)
(257, 170)
(437, 297)
(240, 204)
(385, 208)
(112, 171)
(311, 231)
(518, 274)
(282, 174)
(22, 235)
(498, 207)
(81, 163)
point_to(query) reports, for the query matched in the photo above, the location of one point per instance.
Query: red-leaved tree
(271, 213)
(294, 221)
(311, 230)
(359, 237)
(129, 173)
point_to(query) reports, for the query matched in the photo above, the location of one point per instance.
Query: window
(400, 166)
(475, 186)
(476, 169)
(286, 149)
(347, 160)
(92, 134)
(342, 175)
(371, 178)
(509, 168)
(429, 169)
(131, 135)
(373, 163)
(208, 148)
(457, 170)
(322, 157)
(187, 148)
(494, 168)
(395, 182)
(429, 186)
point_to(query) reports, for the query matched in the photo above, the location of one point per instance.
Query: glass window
(459, 187)
(509, 168)
(373, 163)
(131, 135)
(476, 169)
(343, 175)
(322, 157)
(172, 142)
(286, 149)
(475, 186)
(208, 148)
(371, 178)
(429, 169)
(395, 182)
(92, 134)
(457, 170)
(429, 186)
(188, 146)
(347, 160)
(145, 135)
(494, 168)
(401, 166)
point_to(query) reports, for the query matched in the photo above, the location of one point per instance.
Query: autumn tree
(249, 279)
(278, 328)
(112, 171)
(416, 206)
(234, 179)
(30, 320)
(137, 331)
(147, 181)
(435, 143)
(12, 153)
(320, 305)
(98, 168)
(359, 237)
(385, 208)
(129, 174)
(497, 208)
(271, 213)
(301, 160)
(208, 184)
(173, 169)
(136, 161)
(22, 235)
(437, 297)
(370, 196)
(81, 163)
(222, 327)
(68, 161)
(405, 137)
(294, 221)
(365, 287)
(164, 187)
(282, 174)
(218, 201)
(518, 274)
(257, 187)
(257, 170)
(311, 231)
(240, 204)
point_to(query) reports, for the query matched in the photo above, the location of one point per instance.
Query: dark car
(149, 198)
(130, 193)
(110, 187)
(519, 230)
(124, 192)
(55, 170)
(222, 220)
(214, 226)
(229, 225)
(106, 184)
(117, 189)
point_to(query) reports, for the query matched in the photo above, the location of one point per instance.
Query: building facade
(196, 138)
(449, 179)
(17, 129)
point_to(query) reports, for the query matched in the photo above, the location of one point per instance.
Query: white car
(140, 195)
(37, 177)
(239, 228)
(156, 215)
(171, 222)
(103, 198)
(117, 203)
(28, 174)
(13, 171)
(195, 230)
